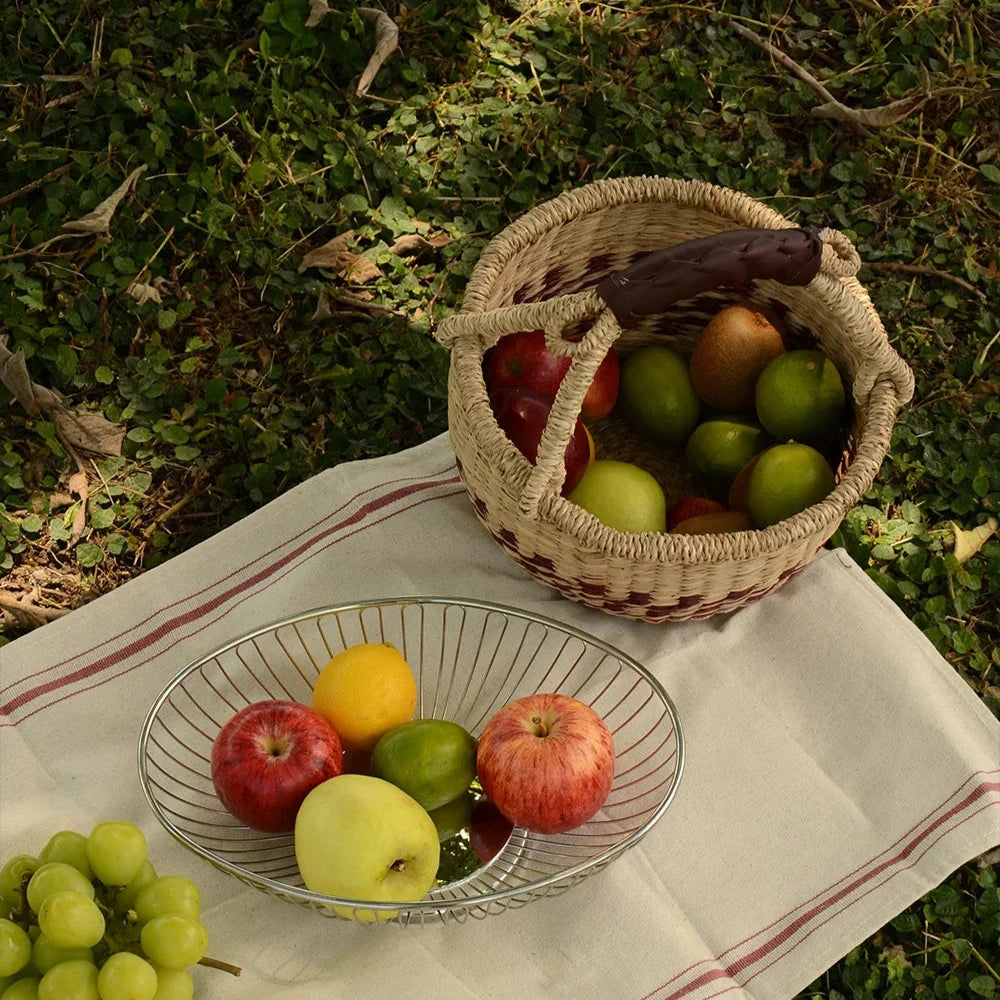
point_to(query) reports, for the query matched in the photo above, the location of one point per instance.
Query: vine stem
(214, 963)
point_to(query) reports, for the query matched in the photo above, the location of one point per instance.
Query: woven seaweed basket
(625, 262)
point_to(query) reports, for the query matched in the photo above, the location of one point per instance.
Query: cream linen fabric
(837, 768)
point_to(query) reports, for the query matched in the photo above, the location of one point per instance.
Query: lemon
(656, 395)
(364, 691)
(800, 397)
(720, 446)
(785, 480)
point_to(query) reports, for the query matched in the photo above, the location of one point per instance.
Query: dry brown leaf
(881, 117)
(99, 220)
(143, 293)
(318, 9)
(414, 243)
(89, 431)
(81, 429)
(14, 375)
(386, 41)
(969, 541)
(78, 484)
(335, 256)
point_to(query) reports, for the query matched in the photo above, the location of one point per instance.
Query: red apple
(547, 761)
(523, 359)
(268, 757)
(522, 414)
(489, 830)
(691, 507)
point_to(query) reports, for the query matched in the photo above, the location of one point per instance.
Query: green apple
(622, 496)
(361, 838)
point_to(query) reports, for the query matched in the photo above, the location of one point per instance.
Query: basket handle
(734, 257)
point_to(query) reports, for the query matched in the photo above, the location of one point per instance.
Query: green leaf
(983, 985)
(991, 172)
(88, 555)
(104, 375)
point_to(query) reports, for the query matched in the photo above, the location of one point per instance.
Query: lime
(432, 760)
(720, 446)
(786, 479)
(800, 397)
(454, 816)
(621, 495)
(656, 395)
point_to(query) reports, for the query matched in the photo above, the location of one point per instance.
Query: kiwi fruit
(729, 354)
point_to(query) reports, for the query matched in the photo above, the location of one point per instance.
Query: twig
(931, 272)
(28, 610)
(44, 179)
(801, 73)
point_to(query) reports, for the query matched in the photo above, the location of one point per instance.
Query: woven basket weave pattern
(540, 272)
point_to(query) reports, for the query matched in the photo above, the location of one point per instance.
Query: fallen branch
(44, 179)
(804, 75)
(27, 612)
(932, 272)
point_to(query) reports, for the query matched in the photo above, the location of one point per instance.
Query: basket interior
(577, 254)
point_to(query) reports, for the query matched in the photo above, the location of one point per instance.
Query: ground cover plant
(221, 269)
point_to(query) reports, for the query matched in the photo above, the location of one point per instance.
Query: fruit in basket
(730, 353)
(432, 760)
(362, 838)
(453, 817)
(622, 496)
(364, 691)
(691, 507)
(489, 830)
(523, 359)
(268, 757)
(800, 397)
(720, 446)
(656, 396)
(84, 941)
(547, 762)
(522, 414)
(714, 523)
(785, 480)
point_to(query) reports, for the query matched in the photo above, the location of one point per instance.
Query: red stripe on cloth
(731, 971)
(265, 575)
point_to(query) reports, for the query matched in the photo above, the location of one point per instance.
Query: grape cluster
(88, 918)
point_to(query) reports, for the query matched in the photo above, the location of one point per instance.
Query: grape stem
(214, 963)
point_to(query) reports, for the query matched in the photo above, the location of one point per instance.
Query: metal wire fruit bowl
(470, 658)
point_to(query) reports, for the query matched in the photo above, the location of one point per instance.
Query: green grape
(12, 874)
(174, 940)
(116, 850)
(173, 984)
(70, 847)
(76, 980)
(22, 989)
(56, 876)
(15, 948)
(126, 897)
(125, 976)
(71, 920)
(168, 894)
(44, 954)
